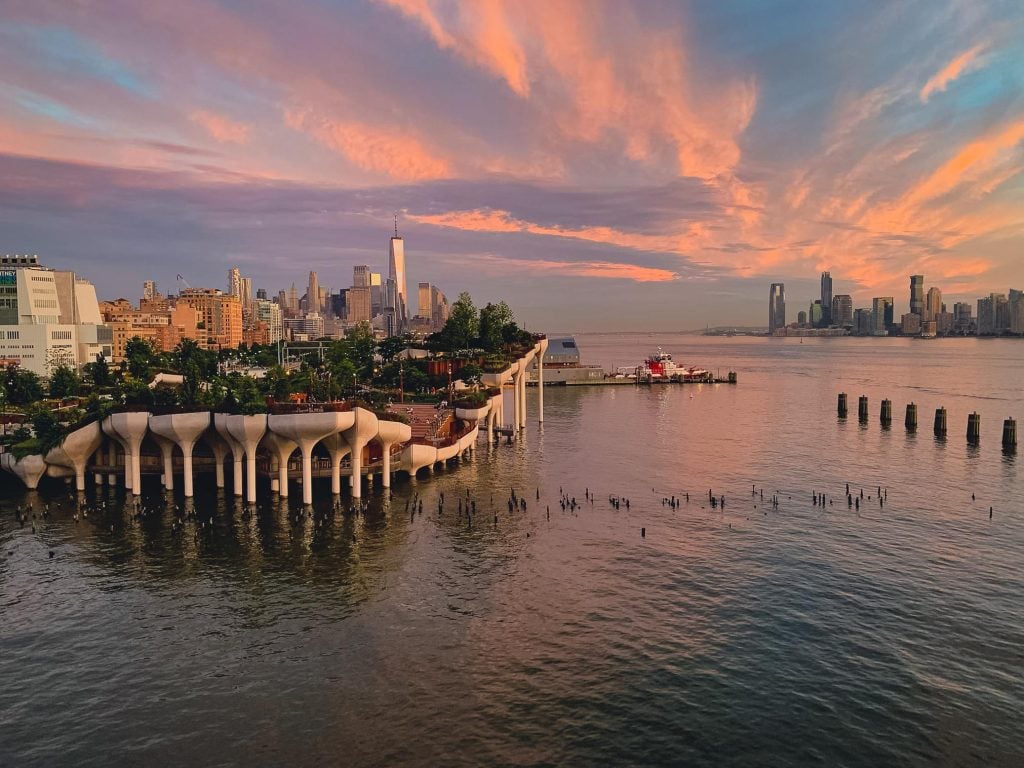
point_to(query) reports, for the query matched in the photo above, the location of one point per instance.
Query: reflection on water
(209, 632)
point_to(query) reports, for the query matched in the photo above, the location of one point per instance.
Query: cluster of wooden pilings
(940, 425)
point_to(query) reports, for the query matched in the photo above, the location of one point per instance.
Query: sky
(601, 165)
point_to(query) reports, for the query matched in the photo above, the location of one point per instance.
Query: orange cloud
(600, 269)
(504, 222)
(961, 64)
(485, 38)
(373, 148)
(221, 128)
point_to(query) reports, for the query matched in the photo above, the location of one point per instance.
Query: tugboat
(661, 367)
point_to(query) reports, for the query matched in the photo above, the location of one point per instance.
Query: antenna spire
(396, 224)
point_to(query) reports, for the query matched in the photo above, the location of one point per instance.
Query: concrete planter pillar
(306, 430)
(390, 433)
(131, 427)
(75, 450)
(281, 448)
(220, 423)
(338, 447)
(184, 430)
(247, 431)
(167, 451)
(358, 435)
(28, 469)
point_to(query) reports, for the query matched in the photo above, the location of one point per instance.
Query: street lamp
(449, 380)
(401, 383)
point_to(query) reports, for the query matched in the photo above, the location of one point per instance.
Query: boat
(661, 367)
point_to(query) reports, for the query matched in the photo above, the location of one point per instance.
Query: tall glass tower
(826, 298)
(396, 272)
(917, 294)
(777, 307)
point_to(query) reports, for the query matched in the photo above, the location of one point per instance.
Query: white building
(270, 313)
(48, 317)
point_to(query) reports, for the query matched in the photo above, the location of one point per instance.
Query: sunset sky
(599, 165)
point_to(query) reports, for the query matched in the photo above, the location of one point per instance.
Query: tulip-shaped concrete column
(358, 435)
(306, 430)
(76, 449)
(540, 380)
(247, 432)
(167, 451)
(131, 427)
(220, 423)
(337, 446)
(183, 430)
(221, 449)
(388, 434)
(116, 439)
(282, 449)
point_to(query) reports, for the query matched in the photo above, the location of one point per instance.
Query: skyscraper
(313, 293)
(842, 310)
(776, 307)
(361, 276)
(234, 282)
(917, 294)
(933, 304)
(396, 272)
(881, 315)
(148, 290)
(826, 299)
(425, 309)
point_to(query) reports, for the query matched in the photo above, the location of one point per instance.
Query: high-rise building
(313, 293)
(235, 282)
(357, 300)
(269, 313)
(881, 315)
(933, 304)
(245, 292)
(293, 299)
(361, 276)
(917, 294)
(1016, 311)
(149, 290)
(863, 322)
(396, 272)
(910, 324)
(439, 308)
(222, 316)
(826, 299)
(261, 293)
(962, 319)
(425, 306)
(776, 307)
(817, 313)
(842, 310)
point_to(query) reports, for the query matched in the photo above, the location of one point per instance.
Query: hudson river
(788, 635)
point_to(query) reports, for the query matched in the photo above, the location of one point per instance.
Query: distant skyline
(600, 165)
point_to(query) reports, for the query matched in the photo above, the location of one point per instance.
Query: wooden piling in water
(842, 405)
(910, 422)
(974, 428)
(1010, 435)
(885, 415)
(940, 422)
(862, 408)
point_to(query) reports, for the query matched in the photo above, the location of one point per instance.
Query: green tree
(276, 384)
(247, 396)
(64, 382)
(48, 429)
(390, 347)
(361, 348)
(23, 386)
(471, 374)
(99, 372)
(463, 324)
(140, 358)
(493, 319)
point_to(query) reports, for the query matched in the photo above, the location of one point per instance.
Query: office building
(269, 314)
(396, 272)
(221, 313)
(842, 310)
(881, 315)
(313, 293)
(917, 294)
(817, 314)
(863, 322)
(933, 304)
(776, 307)
(910, 324)
(826, 299)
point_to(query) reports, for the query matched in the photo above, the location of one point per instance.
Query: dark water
(771, 636)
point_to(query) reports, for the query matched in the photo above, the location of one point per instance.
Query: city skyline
(625, 166)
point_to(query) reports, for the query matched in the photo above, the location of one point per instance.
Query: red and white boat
(661, 367)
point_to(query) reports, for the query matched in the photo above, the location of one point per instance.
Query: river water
(753, 635)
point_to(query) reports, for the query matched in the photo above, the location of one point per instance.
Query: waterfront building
(863, 322)
(562, 364)
(986, 317)
(826, 299)
(48, 317)
(801, 318)
(933, 304)
(776, 307)
(1016, 312)
(842, 310)
(817, 314)
(917, 294)
(882, 315)
(910, 324)
(962, 320)
(944, 323)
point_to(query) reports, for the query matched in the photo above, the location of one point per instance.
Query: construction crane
(183, 281)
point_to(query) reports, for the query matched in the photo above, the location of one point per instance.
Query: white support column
(516, 405)
(522, 400)
(540, 382)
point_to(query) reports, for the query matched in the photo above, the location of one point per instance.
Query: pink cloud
(960, 65)
(221, 128)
